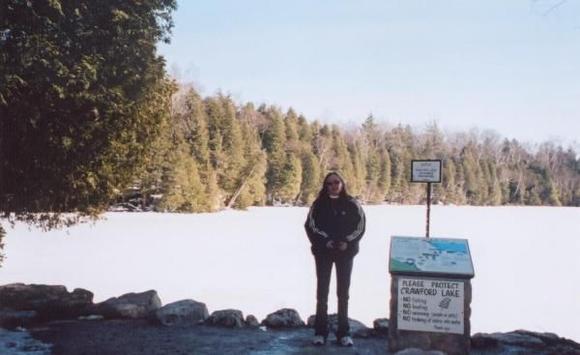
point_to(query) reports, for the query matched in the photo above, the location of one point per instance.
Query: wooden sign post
(426, 171)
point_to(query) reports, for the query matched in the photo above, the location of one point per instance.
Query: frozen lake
(526, 260)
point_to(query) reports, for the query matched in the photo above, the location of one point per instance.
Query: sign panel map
(430, 255)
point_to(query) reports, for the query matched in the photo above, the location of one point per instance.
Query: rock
(252, 321)
(554, 344)
(186, 312)
(381, 326)
(230, 318)
(530, 341)
(10, 318)
(50, 302)
(547, 338)
(130, 305)
(92, 317)
(483, 340)
(283, 318)
(415, 351)
(357, 329)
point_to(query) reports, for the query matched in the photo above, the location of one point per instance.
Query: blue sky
(508, 66)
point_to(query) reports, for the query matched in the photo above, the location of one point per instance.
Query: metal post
(428, 208)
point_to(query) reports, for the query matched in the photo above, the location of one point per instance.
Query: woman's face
(333, 185)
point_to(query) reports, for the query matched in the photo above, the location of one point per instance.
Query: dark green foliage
(290, 180)
(81, 99)
(274, 142)
(88, 118)
(311, 178)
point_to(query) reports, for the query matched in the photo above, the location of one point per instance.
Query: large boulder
(252, 321)
(229, 318)
(129, 306)
(49, 302)
(186, 312)
(357, 329)
(283, 318)
(524, 341)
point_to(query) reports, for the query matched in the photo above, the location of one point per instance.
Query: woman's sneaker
(318, 340)
(346, 341)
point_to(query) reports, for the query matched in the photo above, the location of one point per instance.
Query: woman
(335, 225)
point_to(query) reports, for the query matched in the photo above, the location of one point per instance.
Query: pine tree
(83, 96)
(310, 178)
(290, 179)
(357, 186)
(183, 190)
(274, 142)
(251, 186)
(341, 159)
(195, 127)
(233, 147)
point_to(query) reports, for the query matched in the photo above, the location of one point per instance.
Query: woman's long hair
(323, 193)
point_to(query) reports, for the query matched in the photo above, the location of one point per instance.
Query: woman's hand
(342, 246)
(330, 244)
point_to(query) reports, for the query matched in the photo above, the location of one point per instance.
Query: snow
(526, 261)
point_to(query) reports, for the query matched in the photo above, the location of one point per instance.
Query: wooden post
(428, 208)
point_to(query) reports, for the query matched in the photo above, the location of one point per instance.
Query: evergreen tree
(550, 194)
(82, 97)
(251, 189)
(274, 143)
(310, 178)
(358, 185)
(195, 127)
(290, 179)
(341, 160)
(183, 190)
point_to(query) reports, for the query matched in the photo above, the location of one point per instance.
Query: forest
(90, 120)
(217, 153)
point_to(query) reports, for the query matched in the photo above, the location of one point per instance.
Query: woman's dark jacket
(341, 220)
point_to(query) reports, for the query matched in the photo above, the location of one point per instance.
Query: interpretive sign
(425, 170)
(430, 305)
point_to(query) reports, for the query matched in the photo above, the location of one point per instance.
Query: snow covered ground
(526, 260)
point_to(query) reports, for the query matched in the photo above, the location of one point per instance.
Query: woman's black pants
(323, 272)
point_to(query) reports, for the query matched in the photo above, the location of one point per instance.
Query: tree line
(217, 153)
(90, 118)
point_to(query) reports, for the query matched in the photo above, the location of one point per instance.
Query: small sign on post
(426, 171)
